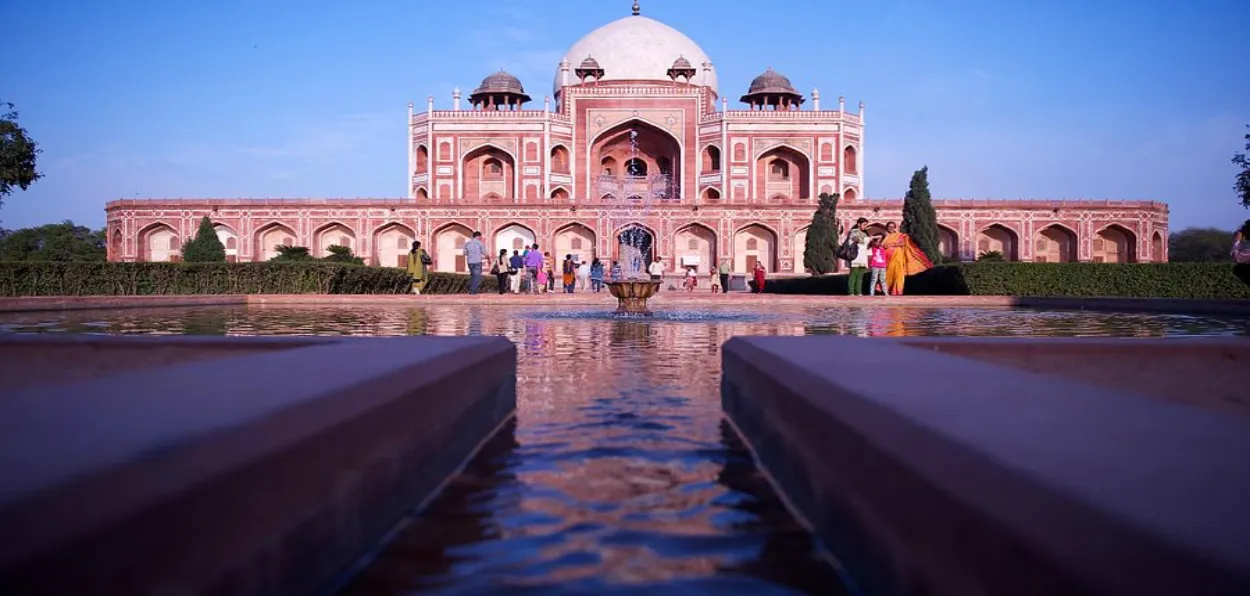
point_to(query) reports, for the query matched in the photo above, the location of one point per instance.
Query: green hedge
(1051, 280)
(146, 279)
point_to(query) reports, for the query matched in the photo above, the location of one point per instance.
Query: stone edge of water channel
(271, 473)
(662, 299)
(926, 472)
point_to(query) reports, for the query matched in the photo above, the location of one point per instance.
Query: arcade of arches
(628, 158)
(691, 244)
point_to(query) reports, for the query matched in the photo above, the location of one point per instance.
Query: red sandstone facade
(633, 139)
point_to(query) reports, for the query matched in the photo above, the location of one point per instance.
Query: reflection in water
(619, 470)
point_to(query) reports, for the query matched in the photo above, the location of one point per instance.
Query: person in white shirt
(656, 270)
(583, 275)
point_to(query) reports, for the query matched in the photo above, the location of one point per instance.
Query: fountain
(635, 286)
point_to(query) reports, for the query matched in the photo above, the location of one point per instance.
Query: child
(715, 279)
(876, 264)
(692, 279)
(542, 281)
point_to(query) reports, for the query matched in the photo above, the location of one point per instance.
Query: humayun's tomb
(632, 139)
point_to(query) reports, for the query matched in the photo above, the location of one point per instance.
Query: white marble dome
(637, 48)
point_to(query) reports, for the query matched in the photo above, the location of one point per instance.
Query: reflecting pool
(619, 472)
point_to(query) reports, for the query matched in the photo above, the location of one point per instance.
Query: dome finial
(637, 9)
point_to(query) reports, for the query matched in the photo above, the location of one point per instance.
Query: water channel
(619, 473)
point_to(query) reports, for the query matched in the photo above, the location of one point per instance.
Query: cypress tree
(207, 247)
(819, 252)
(919, 217)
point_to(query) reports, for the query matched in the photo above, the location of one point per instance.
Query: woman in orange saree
(902, 258)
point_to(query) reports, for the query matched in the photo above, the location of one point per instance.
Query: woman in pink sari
(903, 258)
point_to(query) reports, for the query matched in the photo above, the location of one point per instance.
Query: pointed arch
(159, 241)
(752, 243)
(676, 161)
(476, 184)
(268, 237)
(423, 159)
(577, 239)
(1158, 248)
(335, 233)
(1114, 243)
(710, 194)
(117, 244)
(1000, 238)
(560, 159)
(800, 247)
(421, 193)
(229, 239)
(695, 245)
(1055, 243)
(447, 244)
(511, 236)
(948, 242)
(782, 170)
(711, 158)
(391, 243)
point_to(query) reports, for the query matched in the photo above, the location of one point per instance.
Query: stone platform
(662, 299)
(1008, 466)
(188, 465)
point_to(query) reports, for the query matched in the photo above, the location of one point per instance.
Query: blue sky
(1103, 99)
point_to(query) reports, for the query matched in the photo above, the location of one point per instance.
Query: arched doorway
(649, 157)
(1156, 248)
(116, 245)
(755, 244)
(1055, 244)
(800, 247)
(513, 237)
(635, 249)
(488, 175)
(577, 240)
(228, 239)
(335, 234)
(391, 244)
(1000, 239)
(269, 238)
(695, 246)
(449, 248)
(948, 243)
(1115, 244)
(782, 175)
(160, 242)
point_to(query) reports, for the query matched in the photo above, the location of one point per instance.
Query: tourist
(1241, 253)
(474, 255)
(656, 270)
(724, 269)
(616, 272)
(418, 268)
(583, 275)
(533, 268)
(692, 279)
(876, 264)
(759, 277)
(569, 274)
(858, 239)
(543, 278)
(714, 280)
(500, 269)
(516, 265)
(596, 275)
(549, 266)
(903, 258)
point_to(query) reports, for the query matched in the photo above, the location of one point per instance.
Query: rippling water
(619, 471)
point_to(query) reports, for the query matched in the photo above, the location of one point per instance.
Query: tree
(1199, 245)
(292, 253)
(820, 250)
(63, 241)
(1242, 183)
(919, 216)
(343, 254)
(206, 247)
(17, 154)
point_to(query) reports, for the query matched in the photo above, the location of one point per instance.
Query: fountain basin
(632, 295)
